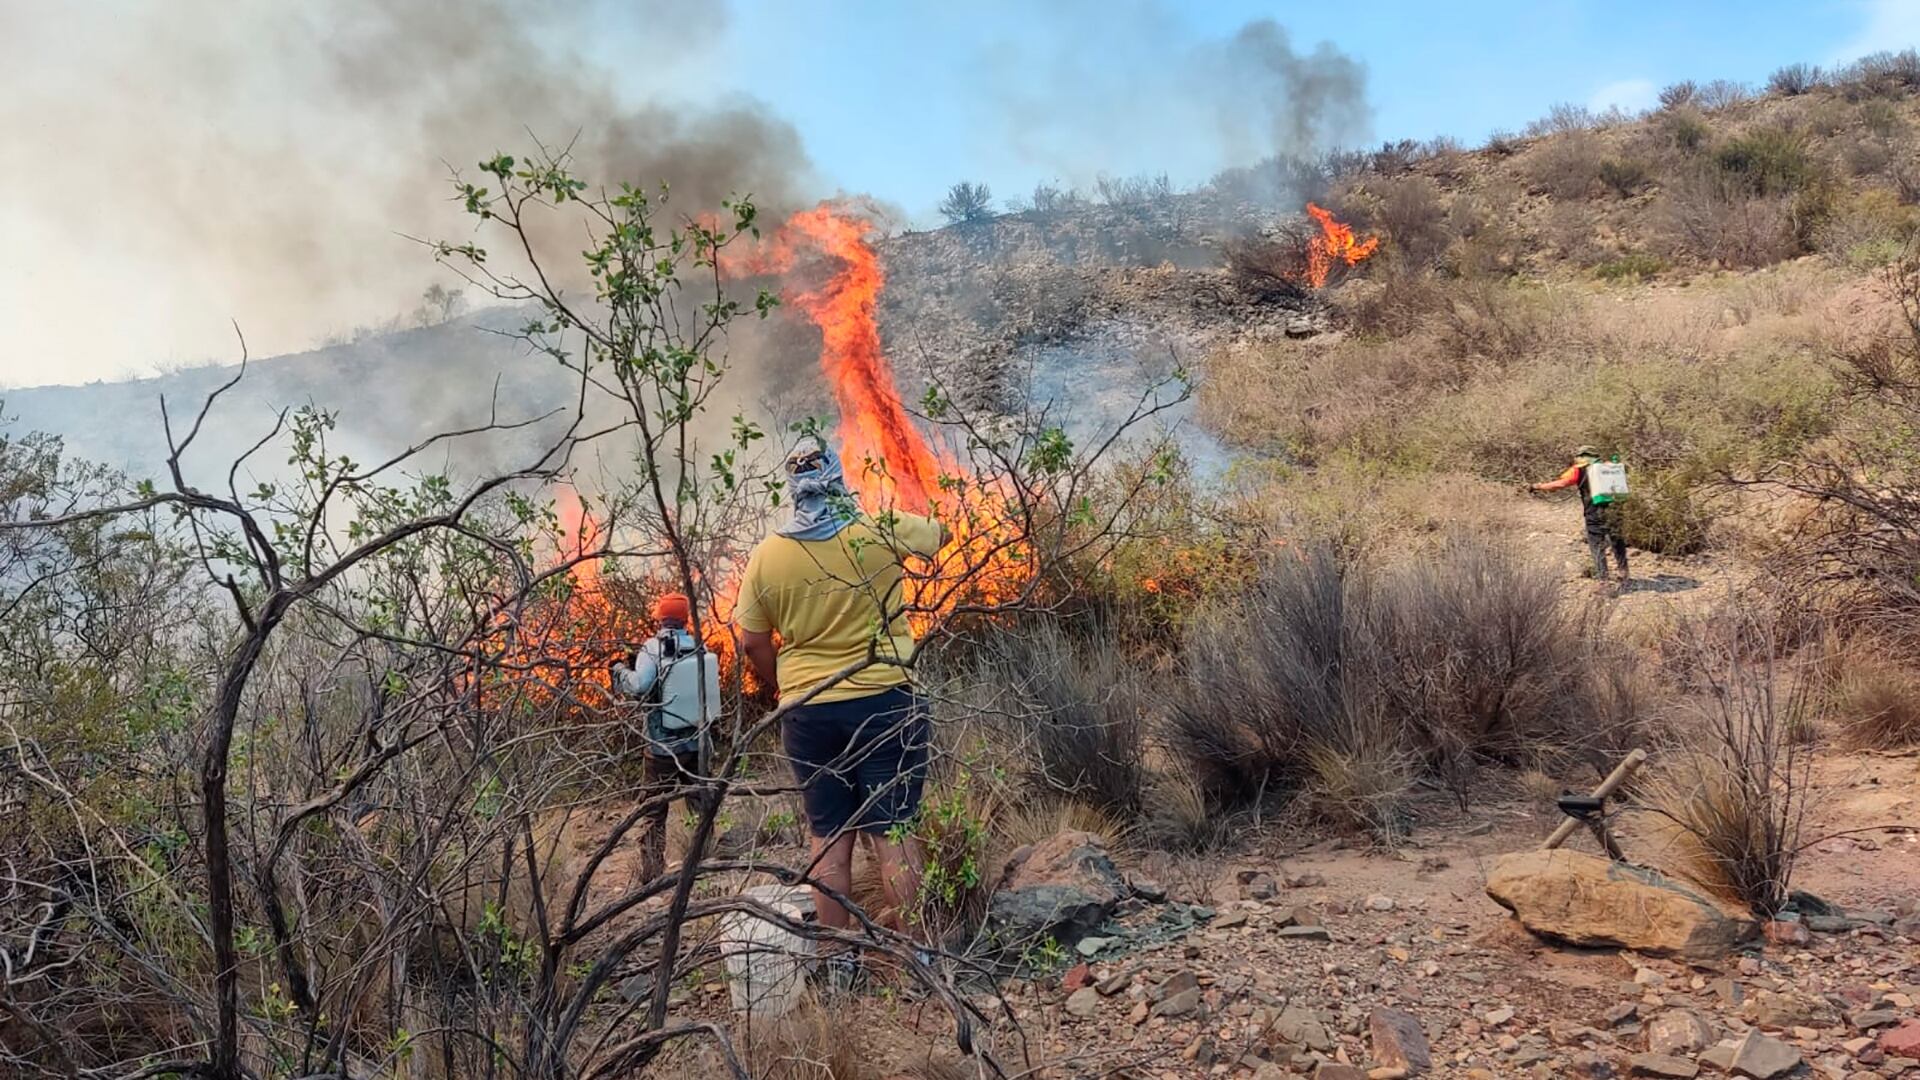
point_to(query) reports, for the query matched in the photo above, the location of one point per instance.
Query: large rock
(1061, 888)
(1587, 900)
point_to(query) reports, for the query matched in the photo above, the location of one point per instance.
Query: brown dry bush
(1703, 220)
(1409, 212)
(1729, 796)
(1348, 683)
(1566, 166)
(1269, 267)
(1875, 701)
(1072, 712)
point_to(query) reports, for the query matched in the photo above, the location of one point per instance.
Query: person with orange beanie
(676, 720)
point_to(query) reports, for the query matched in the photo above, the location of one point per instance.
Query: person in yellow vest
(829, 584)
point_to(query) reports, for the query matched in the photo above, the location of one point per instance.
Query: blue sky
(892, 98)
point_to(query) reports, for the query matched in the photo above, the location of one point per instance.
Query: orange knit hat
(673, 608)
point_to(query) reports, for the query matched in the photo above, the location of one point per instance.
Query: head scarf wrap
(821, 504)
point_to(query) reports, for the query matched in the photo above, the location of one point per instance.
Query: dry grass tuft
(812, 1043)
(1730, 797)
(1875, 703)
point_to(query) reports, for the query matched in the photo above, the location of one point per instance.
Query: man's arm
(636, 681)
(758, 645)
(1567, 479)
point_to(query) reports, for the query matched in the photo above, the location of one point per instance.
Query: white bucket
(767, 963)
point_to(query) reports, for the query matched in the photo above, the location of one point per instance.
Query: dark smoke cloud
(176, 162)
(1122, 88)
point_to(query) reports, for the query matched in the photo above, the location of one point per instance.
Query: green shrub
(1767, 161)
(1625, 175)
(1667, 514)
(1632, 267)
(1685, 128)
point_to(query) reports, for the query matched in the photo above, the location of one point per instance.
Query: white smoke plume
(175, 163)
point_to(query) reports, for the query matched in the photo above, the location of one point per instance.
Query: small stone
(1304, 933)
(1622, 1013)
(1499, 1016)
(1662, 1065)
(1149, 890)
(1384, 1072)
(1828, 924)
(1762, 1057)
(1786, 1009)
(1787, 934)
(1305, 880)
(1398, 1041)
(1083, 1003)
(1303, 1027)
(1588, 1065)
(1177, 983)
(1678, 1032)
(1333, 1070)
(1077, 976)
(1379, 902)
(1262, 887)
(1869, 1019)
(1855, 1047)
(1114, 983)
(1184, 1003)
(1089, 946)
(1230, 920)
(1902, 1041)
(1139, 1014)
(1719, 1056)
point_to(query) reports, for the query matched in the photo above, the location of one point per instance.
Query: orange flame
(888, 458)
(1336, 242)
(878, 439)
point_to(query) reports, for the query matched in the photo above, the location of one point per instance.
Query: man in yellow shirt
(829, 583)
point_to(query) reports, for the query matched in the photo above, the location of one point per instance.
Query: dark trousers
(664, 773)
(1603, 532)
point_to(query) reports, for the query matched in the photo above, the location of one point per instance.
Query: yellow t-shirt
(826, 598)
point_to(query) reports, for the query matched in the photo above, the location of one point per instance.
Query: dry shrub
(1703, 220)
(812, 1043)
(1347, 683)
(1729, 795)
(1179, 816)
(1504, 322)
(1868, 230)
(1408, 211)
(1625, 175)
(1068, 715)
(1271, 268)
(1875, 702)
(1567, 165)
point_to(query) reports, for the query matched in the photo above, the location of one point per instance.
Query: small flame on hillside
(1336, 243)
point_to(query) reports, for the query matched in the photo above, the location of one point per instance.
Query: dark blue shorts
(862, 763)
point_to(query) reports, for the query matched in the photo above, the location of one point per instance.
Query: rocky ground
(1299, 955)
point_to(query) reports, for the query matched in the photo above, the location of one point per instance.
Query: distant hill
(1023, 304)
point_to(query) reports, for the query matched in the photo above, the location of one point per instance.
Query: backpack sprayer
(1606, 481)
